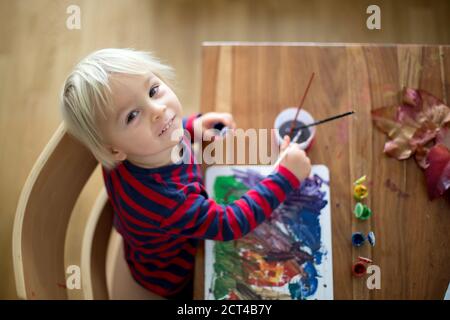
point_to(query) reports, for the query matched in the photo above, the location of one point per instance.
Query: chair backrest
(43, 213)
(41, 222)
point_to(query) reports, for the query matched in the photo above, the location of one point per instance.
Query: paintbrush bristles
(300, 105)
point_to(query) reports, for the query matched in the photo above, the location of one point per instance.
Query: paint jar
(360, 192)
(219, 126)
(359, 268)
(358, 239)
(371, 238)
(283, 124)
(362, 211)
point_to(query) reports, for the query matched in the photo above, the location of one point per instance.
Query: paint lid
(371, 238)
(360, 180)
(366, 260)
(367, 213)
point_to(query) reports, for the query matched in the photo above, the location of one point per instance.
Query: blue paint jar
(358, 239)
(223, 129)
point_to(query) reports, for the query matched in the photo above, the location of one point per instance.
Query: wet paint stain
(394, 188)
(61, 285)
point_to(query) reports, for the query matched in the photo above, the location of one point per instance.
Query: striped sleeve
(188, 124)
(203, 218)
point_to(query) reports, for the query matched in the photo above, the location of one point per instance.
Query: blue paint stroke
(307, 285)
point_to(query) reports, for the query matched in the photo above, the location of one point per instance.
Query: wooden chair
(41, 222)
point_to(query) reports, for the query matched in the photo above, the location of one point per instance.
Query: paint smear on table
(286, 257)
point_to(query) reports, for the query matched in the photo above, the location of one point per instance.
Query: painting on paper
(286, 257)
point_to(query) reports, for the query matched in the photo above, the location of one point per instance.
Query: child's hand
(206, 122)
(296, 159)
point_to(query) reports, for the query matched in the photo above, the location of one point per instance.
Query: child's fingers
(227, 120)
(286, 141)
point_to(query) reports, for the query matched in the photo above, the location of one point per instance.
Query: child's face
(134, 129)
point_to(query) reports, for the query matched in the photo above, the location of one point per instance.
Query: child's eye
(153, 91)
(132, 115)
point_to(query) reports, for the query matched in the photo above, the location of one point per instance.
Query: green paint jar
(362, 211)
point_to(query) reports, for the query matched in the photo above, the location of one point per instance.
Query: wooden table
(255, 81)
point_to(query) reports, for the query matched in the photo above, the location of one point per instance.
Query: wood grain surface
(256, 81)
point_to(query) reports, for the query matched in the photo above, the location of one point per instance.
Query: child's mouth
(167, 126)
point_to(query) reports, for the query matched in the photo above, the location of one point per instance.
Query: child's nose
(157, 112)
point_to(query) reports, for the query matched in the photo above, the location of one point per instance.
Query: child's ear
(117, 154)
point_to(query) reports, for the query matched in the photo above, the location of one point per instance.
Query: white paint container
(287, 115)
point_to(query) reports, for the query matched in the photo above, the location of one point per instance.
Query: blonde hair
(86, 93)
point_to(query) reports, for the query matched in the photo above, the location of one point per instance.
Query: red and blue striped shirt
(162, 212)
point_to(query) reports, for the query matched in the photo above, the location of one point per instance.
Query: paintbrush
(325, 120)
(297, 136)
(301, 104)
